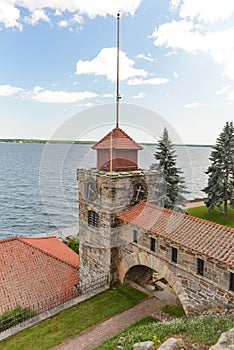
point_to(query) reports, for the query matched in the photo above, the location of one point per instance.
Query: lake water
(39, 190)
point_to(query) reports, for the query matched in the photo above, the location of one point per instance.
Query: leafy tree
(171, 186)
(73, 243)
(220, 188)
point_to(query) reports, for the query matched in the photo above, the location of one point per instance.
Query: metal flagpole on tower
(117, 97)
(117, 80)
(111, 153)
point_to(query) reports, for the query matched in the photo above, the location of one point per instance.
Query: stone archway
(152, 283)
(147, 260)
(139, 274)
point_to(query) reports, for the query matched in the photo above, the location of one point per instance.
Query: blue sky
(58, 59)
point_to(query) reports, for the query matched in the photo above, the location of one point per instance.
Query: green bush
(13, 317)
(73, 243)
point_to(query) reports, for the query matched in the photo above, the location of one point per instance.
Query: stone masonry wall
(114, 193)
(198, 294)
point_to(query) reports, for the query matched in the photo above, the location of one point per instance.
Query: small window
(174, 254)
(93, 219)
(135, 236)
(152, 244)
(231, 287)
(200, 267)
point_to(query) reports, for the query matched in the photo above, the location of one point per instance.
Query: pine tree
(171, 186)
(220, 188)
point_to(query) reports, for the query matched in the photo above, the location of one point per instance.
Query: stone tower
(115, 184)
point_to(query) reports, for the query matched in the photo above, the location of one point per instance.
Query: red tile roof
(54, 247)
(31, 277)
(120, 140)
(200, 236)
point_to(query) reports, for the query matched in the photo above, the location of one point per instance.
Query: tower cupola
(117, 151)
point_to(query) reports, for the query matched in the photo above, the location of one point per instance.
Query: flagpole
(111, 153)
(117, 80)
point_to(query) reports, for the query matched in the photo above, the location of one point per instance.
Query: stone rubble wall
(114, 192)
(225, 342)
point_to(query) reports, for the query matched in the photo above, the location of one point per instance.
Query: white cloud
(194, 105)
(145, 57)
(88, 104)
(91, 8)
(105, 64)
(63, 23)
(8, 90)
(181, 34)
(139, 96)
(192, 38)
(77, 19)
(37, 16)
(207, 10)
(223, 89)
(174, 4)
(231, 95)
(74, 20)
(225, 57)
(58, 13)
(170, 53)
(49, 96)
(175, 74)
(9, 15)
(152, 81)
(37, 88)
(108, 95)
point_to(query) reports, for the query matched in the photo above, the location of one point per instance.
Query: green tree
(73, 243)
(220, 188)
(171, 185)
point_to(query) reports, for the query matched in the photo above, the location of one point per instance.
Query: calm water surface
(39, 191)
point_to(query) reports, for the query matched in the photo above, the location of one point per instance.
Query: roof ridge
(8, 239)
(44, 252)
(46, 237)
(108, 135)
(189, 217)
(125, 134)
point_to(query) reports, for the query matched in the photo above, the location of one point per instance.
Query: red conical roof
(120, 140)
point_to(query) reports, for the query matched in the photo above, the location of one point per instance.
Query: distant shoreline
(85, 142)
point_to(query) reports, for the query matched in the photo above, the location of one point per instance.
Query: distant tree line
(46, 141)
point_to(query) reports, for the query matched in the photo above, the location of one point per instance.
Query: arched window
(93, 219)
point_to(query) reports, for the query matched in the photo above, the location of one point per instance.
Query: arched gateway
(155, 264)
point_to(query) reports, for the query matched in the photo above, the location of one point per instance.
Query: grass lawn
(175, 310)
(205, 330)
(74, 320)
(215, 215)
